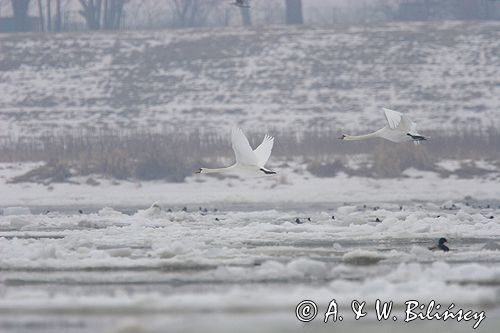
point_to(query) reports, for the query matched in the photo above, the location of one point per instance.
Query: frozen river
(238, 268)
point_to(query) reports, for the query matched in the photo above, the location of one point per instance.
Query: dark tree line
(53, 15)
(108, 14)
(47, 21)
(98, 14)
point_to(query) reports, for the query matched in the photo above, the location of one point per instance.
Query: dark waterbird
(440, 245)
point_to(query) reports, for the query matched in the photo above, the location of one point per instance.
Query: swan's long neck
(375, 134)
(217, 170)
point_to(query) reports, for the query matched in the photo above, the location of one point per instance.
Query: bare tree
(190, 13)
(20, 11)
(40, 14)
(91, 11)
(58, 21)
(113, 12)
(49, 16)
(246, 16)
(272, 11)
(102, 15)
(294, 12)
(49, 22)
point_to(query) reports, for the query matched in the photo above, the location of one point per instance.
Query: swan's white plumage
(393, 118)
(242, 149)
(247, 159)
(263, 151)
(400, 128)
(397, 120)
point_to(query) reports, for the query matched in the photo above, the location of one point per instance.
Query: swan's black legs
(417, 137)
(267, 172)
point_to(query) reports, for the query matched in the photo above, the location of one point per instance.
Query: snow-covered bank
(286, 188)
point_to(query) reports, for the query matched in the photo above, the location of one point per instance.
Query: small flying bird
(247, 159)
(440, 245)
(241, 3)
(399, 128)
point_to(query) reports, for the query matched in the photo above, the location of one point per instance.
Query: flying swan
(246, 158)
(399, 128)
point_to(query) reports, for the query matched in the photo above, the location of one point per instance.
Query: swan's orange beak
(198, 171)
(342, 137)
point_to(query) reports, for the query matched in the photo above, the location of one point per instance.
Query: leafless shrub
(122, 156)
(325, 168)
(469, 169)
(52, 172)
(174, 155)
(281, 179)
(391, 160)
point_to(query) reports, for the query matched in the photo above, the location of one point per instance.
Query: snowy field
(445, 74)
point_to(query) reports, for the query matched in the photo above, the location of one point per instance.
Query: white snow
(298, 188)
(285, 78)
(252, 261)
(16, 211)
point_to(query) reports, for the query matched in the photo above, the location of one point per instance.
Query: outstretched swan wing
(263, 151)
(397, 120)
(242, 150)
(393, 118)
(408, 125)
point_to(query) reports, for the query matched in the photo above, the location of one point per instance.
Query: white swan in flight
(400, 128)
(247, 159)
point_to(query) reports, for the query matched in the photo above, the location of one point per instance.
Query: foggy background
(108, 107)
